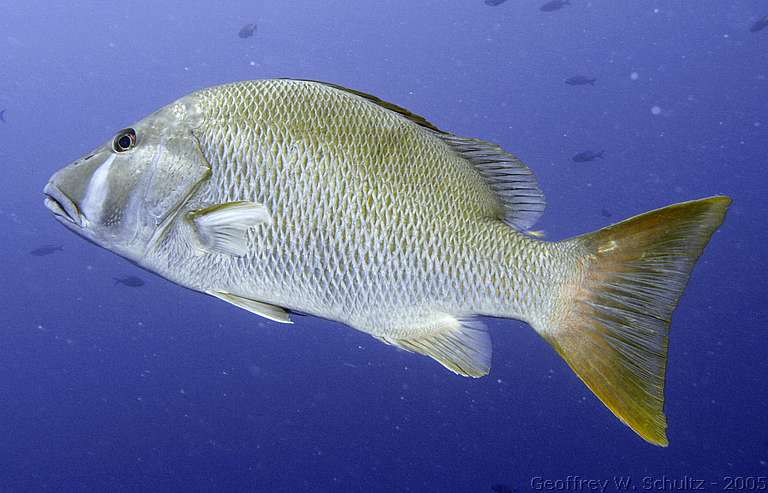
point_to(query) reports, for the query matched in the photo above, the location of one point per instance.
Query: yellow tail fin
(611, 324)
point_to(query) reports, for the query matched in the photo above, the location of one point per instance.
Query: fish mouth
(62, 206)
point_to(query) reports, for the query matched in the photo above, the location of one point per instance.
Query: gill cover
(123, 195)
(177, 168)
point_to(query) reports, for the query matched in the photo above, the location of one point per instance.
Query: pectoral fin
(223, 228)
(265, 310)
(462, 347)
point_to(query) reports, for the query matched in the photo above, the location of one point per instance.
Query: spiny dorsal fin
(462, 347)
(511, 180)
(417, 119)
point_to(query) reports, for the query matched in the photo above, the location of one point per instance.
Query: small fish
(247, 31)
(130, 281)
(580, 80)
(586, 156)
(501, 488)
(2, 116)
(605, 212)
(46, 250)
(759, 25)
(553, 5)
(494, 3)
(294, 195)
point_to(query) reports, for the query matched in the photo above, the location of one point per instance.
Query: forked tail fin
(611, 321)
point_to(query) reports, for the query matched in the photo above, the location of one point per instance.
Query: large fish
(281, 195)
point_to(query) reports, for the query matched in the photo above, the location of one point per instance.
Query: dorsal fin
(521, 200)
(511, 180)
(417, 119)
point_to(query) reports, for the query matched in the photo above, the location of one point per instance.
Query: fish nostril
(81, 161)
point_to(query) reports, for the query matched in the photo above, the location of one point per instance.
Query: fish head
(123, 194)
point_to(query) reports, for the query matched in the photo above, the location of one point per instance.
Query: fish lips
(63, 207)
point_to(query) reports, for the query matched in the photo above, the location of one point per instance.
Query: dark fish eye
(124, 140)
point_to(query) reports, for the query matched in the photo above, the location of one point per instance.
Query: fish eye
(125, 140)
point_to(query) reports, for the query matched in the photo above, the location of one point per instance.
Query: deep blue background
(108, 387)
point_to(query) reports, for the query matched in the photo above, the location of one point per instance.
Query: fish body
(759, 25)
(586, 156)
(247, 31)
(580, 80)
(283, 196)
(554, 5)
(494, 3)
(130, 281)
(46, 250)
(2, 116)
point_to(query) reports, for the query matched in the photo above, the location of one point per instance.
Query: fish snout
(62, 206)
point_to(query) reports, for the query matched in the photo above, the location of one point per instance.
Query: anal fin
(462, 347)
(272, 312)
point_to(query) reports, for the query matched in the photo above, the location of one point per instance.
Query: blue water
(104, 387)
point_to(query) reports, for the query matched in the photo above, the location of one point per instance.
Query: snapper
(285, 195)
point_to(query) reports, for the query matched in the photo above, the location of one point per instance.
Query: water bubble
(634, 76)
(655, 110)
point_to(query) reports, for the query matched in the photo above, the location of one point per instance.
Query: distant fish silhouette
(2, 116)
(580, 80)
(585, 156)
(247, 31)
(553, 5)
(501, 488)
(759, 25)
(130, 281)
(494, 3)
(46, 250)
